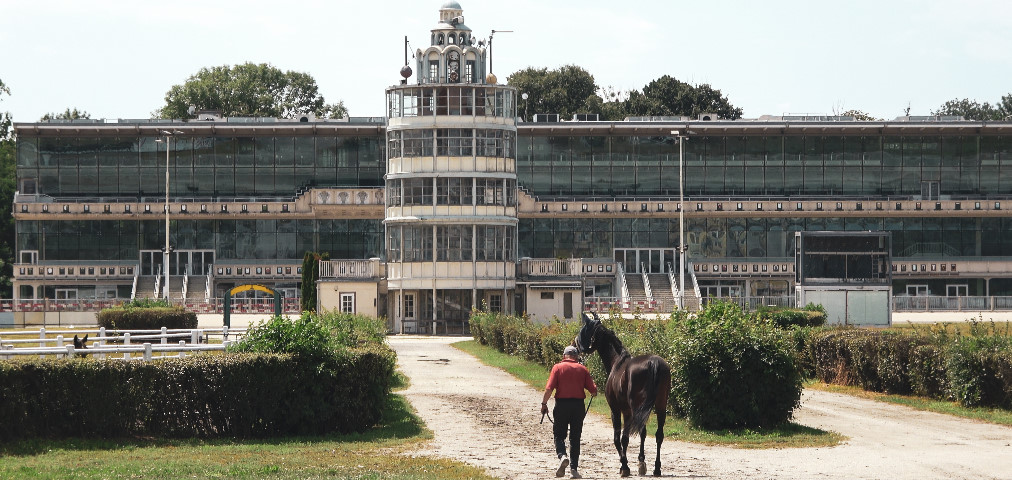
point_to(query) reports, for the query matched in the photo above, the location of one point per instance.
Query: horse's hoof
(657, 472)
(624, 471)
(643, 469)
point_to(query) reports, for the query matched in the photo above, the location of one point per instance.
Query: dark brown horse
(81, 344)
(635, 386)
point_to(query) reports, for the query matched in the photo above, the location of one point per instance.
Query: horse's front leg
(616, 423)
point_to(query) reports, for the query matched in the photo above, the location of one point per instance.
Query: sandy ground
(483, 416)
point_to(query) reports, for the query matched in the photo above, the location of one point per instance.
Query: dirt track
(482, 416)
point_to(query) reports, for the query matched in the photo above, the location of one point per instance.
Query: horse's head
(584, 340)
(81, 344)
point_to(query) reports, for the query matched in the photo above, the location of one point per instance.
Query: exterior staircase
(661, 288)
(146, 286)
(637, 292)
(195, 287)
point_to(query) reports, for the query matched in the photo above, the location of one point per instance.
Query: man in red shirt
(568, 379)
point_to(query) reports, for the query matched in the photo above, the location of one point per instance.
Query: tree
(564, 91)
(7, 187)
(68, 114)
(310, 274)
(859, 115)
(668, 96)
(974, 110)
(249, 90)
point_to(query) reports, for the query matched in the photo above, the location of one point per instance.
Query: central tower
(451, 211)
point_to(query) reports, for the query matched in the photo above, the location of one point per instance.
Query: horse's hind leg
(616, 423)
(643, 455)
(660, 409)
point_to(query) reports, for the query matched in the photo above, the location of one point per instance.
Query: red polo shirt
(569, 378)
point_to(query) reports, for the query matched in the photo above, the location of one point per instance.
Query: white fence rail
(147, 343)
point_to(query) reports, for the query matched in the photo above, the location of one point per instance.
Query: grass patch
(790, 435)
(989, 415)
(370, 455)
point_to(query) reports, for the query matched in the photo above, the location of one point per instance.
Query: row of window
(538, 238)
(252, 151)
(228, 239)
(451, 142)
(451, 191)
(450, 243)
(770, 238)
(478, 101)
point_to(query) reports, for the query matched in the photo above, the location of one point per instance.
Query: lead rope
(553, 421)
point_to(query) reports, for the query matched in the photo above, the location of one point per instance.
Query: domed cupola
(454, 55)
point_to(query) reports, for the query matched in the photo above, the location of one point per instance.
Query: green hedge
(230, 395)
(973, 368)
(128, 317)
(312, 375)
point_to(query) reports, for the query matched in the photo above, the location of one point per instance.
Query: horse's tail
(642, 412)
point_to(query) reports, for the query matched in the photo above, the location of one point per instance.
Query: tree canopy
(974, 110)
(571, 89)
(68, 114)
(249, 90)
(668, 96)
(564, 90)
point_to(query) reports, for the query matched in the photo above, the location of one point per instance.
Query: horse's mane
(608, 336)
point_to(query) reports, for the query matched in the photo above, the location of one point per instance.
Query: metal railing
(649, 292)
(752, 303)
(674, 286)
(349, 268)
(625, 285)
(902, 303)
(551, 267)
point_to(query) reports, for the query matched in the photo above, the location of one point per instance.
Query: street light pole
(681, 218)
(165, 256)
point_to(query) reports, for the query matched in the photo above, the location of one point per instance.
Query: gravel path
(485, 417)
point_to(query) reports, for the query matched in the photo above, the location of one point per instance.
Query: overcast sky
(117, 59)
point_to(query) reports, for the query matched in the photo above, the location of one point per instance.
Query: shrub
(789, 317)
(733, 371)
(927, 371)
(304, 336)
(977, 369)
(146, 316)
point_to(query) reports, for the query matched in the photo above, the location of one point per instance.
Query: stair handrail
(646, 283)
(625, 286)
(695, 283)
(186, 282)
(158, 282)
(671, 281)
(133, 289)
(207, 284)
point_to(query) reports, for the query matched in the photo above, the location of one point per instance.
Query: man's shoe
(574, 474)
(563, 463)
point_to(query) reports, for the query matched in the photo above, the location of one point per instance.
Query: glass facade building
(455, 202)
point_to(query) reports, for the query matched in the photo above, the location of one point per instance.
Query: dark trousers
(569, 415)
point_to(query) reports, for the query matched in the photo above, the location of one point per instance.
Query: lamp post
(165, 256)
(681, 217)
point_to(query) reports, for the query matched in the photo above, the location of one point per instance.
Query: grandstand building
(451, 202)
